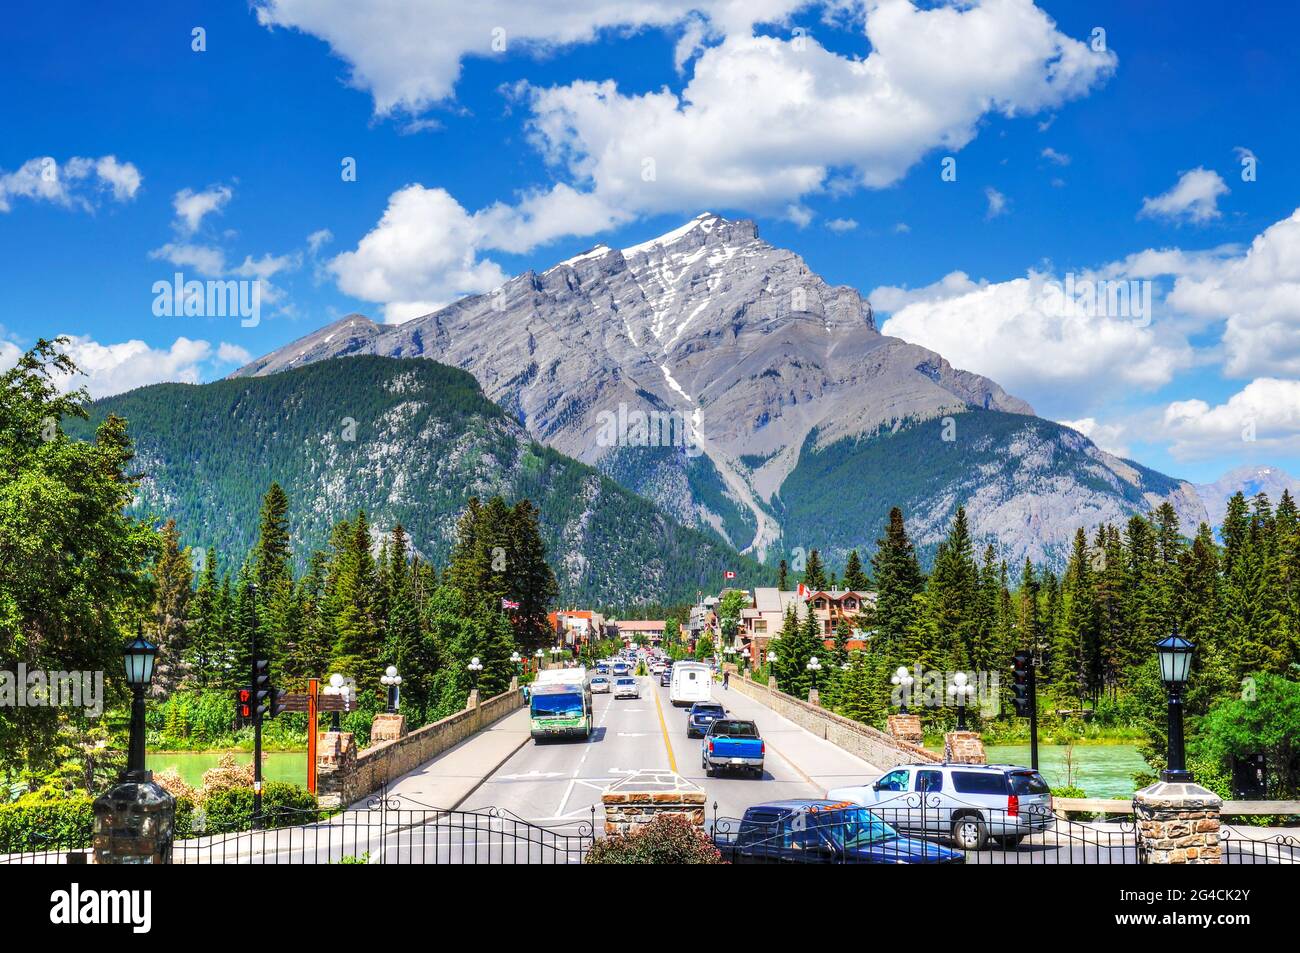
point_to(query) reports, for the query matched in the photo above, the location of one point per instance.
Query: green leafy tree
(74, 567)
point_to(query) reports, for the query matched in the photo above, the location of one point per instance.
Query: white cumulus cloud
(1264, 414)
(1058, 352)
(1193, 198)
(79, 183)
(107, 369)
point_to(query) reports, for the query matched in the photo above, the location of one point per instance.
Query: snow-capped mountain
(761, 374)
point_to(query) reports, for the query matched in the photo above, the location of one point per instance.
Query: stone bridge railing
(345, 775)
(869, 744)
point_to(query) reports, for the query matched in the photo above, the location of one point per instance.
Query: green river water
(276, 765)
(1104, 771)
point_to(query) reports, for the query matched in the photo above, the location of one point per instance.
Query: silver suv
(971, 803)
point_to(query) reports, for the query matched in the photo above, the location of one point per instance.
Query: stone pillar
(639, 797)
(135, 822)
(472, 701)
(514, 683)
(1177, 824)
(906, 728)
(814, 697)
(387, 726)
(964, 747)
(771, 683)
(336, 759)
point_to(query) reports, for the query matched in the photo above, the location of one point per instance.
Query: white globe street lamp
(960, 691)
(903, 679)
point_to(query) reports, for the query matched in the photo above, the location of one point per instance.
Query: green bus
(561, 709)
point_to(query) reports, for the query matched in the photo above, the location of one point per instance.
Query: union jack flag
(507, 604)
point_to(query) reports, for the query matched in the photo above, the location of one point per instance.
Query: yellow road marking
(663, 726)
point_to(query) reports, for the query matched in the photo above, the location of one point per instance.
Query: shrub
(668, 839)
(283, 805)
(33, 825)
(227, 775)
(171, 781)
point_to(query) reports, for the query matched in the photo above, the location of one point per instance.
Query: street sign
(300, 701)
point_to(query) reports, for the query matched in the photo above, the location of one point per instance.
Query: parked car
(626, 687)
(732, 743)
(971, 803)
(814, 831)
(701, 715)
(600, 685)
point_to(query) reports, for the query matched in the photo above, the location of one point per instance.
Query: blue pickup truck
(814, 831)
(731, 743)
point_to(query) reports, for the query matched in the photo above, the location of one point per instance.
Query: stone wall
(866, 742)
(350, 779)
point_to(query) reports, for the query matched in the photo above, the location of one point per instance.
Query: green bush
(668, 839)
(283, 805)
(46, 825)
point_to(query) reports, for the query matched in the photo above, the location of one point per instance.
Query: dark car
(666, 676)
(814, 831)
(701, 715)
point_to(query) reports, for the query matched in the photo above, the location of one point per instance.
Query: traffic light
(244, 704)
(1020, 683)
(278, 706)
(262, 689)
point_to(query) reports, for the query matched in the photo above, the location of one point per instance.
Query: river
(1101, 770)
(276, 765)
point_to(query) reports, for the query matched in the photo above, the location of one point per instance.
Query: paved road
(556, 783)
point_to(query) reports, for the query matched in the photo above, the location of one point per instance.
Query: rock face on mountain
(1250, 480)
(704, 367)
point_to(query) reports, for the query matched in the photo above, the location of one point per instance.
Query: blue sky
(1074, 156)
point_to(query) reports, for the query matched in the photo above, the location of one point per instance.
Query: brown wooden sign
(300, 702)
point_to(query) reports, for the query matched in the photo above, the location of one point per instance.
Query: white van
(692, 682)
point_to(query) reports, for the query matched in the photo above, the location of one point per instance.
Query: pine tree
(1075, 647)
(172, 575)
(950, 601)
(205, 643)
(783, 577)
(814, 574)
(898, 582)
(854, 577)
(357, 644)
(532, 583)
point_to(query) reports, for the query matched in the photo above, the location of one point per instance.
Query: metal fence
(925, 830)
(1238, 847)
(383, 830)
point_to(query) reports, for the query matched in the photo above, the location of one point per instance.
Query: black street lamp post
(393, 681)
(139, 655)
(1175, 654)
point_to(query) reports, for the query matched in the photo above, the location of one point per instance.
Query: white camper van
(692, 682)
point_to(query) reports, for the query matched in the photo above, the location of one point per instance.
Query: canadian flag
(804, 592)
(728, 575)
